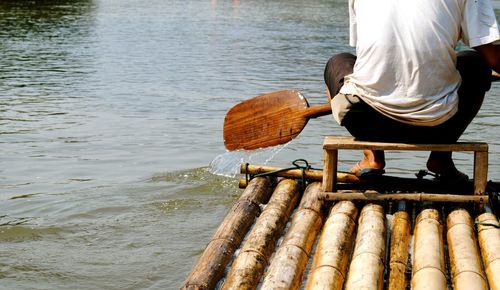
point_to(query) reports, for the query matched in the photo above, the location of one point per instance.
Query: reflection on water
(41, 42)
(44, 47)
(112, 167)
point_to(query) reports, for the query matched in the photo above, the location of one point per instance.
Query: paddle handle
(318, 111)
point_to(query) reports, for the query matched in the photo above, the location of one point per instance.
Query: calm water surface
(111, 112)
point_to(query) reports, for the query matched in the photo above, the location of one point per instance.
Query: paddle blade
(266, 120)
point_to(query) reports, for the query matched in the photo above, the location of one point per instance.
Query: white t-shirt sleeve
(353, 36)
(479, 24)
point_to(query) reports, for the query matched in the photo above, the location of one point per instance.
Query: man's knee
(340, 62)
(337, 67)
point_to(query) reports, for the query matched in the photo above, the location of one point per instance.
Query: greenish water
(111, 113)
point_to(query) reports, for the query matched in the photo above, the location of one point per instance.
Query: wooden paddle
(269, 119)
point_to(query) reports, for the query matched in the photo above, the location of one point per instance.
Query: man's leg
(442, 163)
(475, 75)
(336, 69)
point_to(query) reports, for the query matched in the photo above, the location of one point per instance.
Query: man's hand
(495, 76)
(491, 54)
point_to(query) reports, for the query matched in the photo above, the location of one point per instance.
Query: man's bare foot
(374, 160)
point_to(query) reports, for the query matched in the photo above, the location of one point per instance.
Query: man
(407, 83)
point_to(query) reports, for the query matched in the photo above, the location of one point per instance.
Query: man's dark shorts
(365, 123)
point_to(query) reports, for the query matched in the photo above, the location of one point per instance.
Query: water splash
(228, 164)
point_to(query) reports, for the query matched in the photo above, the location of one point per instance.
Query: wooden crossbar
(435, 197)
(332, 144)
(341, 142)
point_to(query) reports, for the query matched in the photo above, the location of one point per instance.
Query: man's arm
(491, 54)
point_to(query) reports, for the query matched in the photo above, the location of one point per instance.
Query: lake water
(111, 112)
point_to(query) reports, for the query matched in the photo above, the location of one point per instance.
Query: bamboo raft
(287, 232)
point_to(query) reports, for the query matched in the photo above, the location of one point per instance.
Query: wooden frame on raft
(419, 197)
(342, 261)
(332, 144)
(368, 195)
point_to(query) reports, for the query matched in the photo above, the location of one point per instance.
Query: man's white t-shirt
(406, 59)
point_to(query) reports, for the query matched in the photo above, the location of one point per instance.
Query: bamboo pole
(464, 253)
(248, 266)
(375, 196)
(367, 264)
(334, 248)
(211, 265)
(290, 260)
(489, 242)
(310, 174)
(428, 253)
(400, 241)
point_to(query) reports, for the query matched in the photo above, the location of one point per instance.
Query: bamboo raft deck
(392, 234)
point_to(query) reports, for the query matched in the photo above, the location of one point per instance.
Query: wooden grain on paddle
(268, 120)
